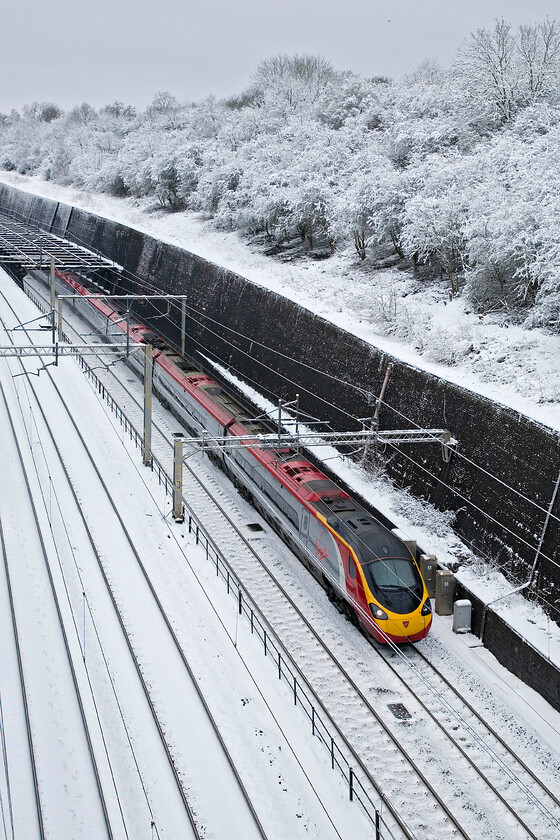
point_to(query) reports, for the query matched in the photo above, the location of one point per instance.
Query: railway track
(475, 801)
(115, 564)
(44, 649)
(481, 745)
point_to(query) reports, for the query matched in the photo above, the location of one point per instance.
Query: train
(367, 570)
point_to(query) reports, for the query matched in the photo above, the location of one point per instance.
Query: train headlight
(426, 608)
(378, 613)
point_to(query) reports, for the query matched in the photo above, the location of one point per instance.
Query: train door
(304, 534)
(352, 579)
(304, 527)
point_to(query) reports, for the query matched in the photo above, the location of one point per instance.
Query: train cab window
(395, 583)
(351, 567)
(394, 573)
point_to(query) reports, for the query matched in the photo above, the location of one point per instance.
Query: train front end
(387, 626)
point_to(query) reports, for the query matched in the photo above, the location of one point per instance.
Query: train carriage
(365, 568)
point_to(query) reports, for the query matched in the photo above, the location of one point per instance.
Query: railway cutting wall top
(511, 461)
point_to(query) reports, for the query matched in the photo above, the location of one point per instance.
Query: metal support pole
(279, 423)
(178, 477)
(148, 372)
(127, 329)
(53, 305)
(183, 324)
(59, 319)
(53, 298)
(528, 583)
(375, 422)
(544, 529)
(297, 423)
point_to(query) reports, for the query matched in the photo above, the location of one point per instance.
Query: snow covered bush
(452, 173)
(448, 346)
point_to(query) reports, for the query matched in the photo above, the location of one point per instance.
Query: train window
(379, 542)
(395, 583)
(281, 504)
(351, 567)
(393, 572)
(290, 513)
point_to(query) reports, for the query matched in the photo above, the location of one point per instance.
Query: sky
(68, 52)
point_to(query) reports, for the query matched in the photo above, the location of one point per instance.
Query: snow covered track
(46, 664)
(253, 564)
(526, 794)
(171, 794)
(442, 800)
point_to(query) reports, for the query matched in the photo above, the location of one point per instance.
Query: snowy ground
(516, 367)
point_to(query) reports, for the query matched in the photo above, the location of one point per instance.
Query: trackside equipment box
(462, 616)
(428, 569)
(444, 592)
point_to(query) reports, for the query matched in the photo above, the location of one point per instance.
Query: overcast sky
(71, 51)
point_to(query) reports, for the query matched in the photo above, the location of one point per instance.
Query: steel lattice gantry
(28, 246)
(35, 350)
(298, 439)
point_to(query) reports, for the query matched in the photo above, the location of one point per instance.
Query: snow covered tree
(435, 215)
(457, 169)
(293, 80)
(83, 114)
(118, 110)
(491, 71)
(347, 97)
(508, 71)
(42, 111)
(163, 103)
(539, 59)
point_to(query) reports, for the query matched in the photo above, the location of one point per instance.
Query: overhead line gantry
(30, 247)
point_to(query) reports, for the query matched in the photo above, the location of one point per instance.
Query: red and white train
(364, 566)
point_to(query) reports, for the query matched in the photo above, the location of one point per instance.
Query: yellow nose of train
(398, 628)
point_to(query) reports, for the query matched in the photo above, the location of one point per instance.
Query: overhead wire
(468, 501)
(476, 507)
(457, 453)
(31, 425)
(149, 285)
(390, 568)
(302, 388)
(409, 458)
